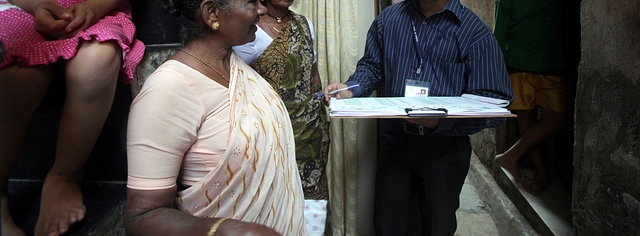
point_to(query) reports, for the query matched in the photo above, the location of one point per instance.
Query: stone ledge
(508, 218)
(549, 212)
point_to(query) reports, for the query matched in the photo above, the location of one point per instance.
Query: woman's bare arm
(315, 78)
(152, 212)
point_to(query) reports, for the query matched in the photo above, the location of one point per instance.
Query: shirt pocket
(449, 78)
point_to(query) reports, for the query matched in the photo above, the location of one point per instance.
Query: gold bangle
(215, 226)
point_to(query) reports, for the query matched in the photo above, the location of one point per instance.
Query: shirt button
(424, 22)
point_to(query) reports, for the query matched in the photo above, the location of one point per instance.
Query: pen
(337, 90)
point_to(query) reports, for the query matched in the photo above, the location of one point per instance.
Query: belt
(414, 129)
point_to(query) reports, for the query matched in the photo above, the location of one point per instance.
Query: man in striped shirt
(443, 47)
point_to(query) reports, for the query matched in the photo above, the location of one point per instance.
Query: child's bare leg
(91, 78)
(553, 122)
(21, 91)
(509, 159)
(540, 181)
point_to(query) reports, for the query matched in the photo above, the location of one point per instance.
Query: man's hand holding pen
(337, 90)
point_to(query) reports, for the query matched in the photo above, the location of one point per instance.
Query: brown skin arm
(152, 212)
(315, 78)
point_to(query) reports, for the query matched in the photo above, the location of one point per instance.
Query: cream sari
(257, 180)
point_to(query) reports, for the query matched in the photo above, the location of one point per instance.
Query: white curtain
(337, 39)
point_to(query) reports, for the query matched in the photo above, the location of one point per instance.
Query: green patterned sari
(287, 64)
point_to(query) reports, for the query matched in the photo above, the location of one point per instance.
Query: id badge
(416, 88)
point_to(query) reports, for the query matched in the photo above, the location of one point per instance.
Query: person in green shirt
(530, 36)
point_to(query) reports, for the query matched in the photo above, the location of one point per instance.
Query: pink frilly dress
(23, 44)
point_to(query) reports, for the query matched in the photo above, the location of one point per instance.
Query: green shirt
(529, 34)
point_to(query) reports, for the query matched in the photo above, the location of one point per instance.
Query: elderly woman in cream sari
(283, 54)
(210, 143)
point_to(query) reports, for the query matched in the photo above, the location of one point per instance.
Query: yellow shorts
(533, 90)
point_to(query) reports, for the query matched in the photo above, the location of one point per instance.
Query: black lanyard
(430, 49)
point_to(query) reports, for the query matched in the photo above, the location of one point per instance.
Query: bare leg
(21, 91)
(537, 184)
(555, 121)
(532, 136)
(91, 81)
(509, 159)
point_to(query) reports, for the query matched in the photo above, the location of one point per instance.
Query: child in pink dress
(95, 39)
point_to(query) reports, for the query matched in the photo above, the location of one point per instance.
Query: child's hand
(51, 19)
(84, 15)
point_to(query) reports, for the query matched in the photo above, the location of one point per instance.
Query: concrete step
(549, 213)
(505, 215)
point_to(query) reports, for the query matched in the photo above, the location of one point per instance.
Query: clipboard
(426, 112)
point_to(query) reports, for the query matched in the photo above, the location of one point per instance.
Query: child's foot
(8, 226)
(511, 164)
(60, 207)
(536, 185)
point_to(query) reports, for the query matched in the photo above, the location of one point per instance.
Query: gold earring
(215, 25)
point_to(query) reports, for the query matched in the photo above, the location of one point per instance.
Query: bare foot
(511, 164)
(8, 226)
(536, 185)
(60, 207)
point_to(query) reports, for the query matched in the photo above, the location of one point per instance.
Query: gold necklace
(278, 19)
(206, 64)
(273, 27)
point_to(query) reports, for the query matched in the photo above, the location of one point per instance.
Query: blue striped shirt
(460, 55)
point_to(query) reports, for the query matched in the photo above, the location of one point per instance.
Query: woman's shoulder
(299, 16)
(305, 22)
(173, 74)
(169, 68)
(175, 77)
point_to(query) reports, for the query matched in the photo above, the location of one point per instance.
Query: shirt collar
(453, 6)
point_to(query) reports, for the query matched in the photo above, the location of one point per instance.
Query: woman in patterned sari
(210, 144)
(283, 54)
